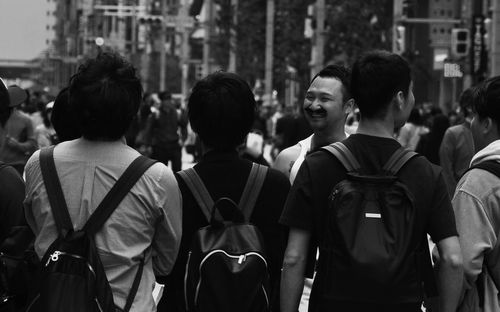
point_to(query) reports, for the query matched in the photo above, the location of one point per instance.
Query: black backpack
(226, 269)
(72, 277)
(366, 254)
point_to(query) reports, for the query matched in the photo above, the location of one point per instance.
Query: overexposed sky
(23, 28)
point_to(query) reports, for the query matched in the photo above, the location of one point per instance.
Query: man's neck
(320, 139)
(375, 127)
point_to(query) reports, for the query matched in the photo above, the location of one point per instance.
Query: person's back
(477, 204)
(381, 86)
(88, 168)
(225, 174)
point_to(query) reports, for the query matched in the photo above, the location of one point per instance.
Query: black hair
(221, 110)
(376, 77)
(465, 102)
(415, 117)
(105, 93)
(486, 99)
(5, 110)
(340, 72)
(64, 119)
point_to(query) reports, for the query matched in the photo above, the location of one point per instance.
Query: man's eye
(309, 97)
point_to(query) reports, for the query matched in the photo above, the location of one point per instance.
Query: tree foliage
(351, 27)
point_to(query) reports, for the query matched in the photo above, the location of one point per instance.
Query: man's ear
(400, 100)
(349, 107)
(488, 126)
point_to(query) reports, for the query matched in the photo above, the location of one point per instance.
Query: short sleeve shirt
(308, 200)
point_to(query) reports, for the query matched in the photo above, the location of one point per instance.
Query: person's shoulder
(286, 157)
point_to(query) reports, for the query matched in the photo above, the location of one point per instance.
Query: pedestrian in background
(163, 134)
(457, 147)
(145, 229)
(477, 204)
(17, 139)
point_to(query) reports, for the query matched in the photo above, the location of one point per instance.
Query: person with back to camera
(362, 207)
(221, 110)
(141, 236)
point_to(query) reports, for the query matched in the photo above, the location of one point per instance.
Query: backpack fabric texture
(72, 277)
(226, 269)
(368, 235)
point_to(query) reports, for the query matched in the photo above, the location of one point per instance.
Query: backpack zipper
(54, 257)
(241, 259)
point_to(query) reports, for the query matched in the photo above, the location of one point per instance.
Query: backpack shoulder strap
(344, 155)
(400, 157)
(114, 197)
(54, 191)
(491, 166)
(252, 190)
(199, 191)
(135, 286)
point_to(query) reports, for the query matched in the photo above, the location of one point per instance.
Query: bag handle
(400, 157)
(119, 190)
(199, 191)
(252, 189)
(344, 155)
(54, 192)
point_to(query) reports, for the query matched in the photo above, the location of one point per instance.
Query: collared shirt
(146, 224)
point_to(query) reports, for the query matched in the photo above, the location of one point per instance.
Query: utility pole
(183, 29)
(495, 39)
(269, 50)
(319, 38)
(207, 39)
(163, 51)
(232, 38)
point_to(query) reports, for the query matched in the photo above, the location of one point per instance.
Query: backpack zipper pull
(242, 259)
(53, 257)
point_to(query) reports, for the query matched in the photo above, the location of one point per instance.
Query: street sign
(452, 70)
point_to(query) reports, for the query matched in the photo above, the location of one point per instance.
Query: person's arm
(449, 273)
(477, 236)
(169, 226)
(294, 264)
(285, 160)
(446, 160)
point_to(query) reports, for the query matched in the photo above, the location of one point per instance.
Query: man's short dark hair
(64, 119)
(105, 93)
(486, 99)
(340, 72)
(221, 110)
(376, 77)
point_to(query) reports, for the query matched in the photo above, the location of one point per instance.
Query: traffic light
(198, 71)
(460, 42)
(400, 39)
